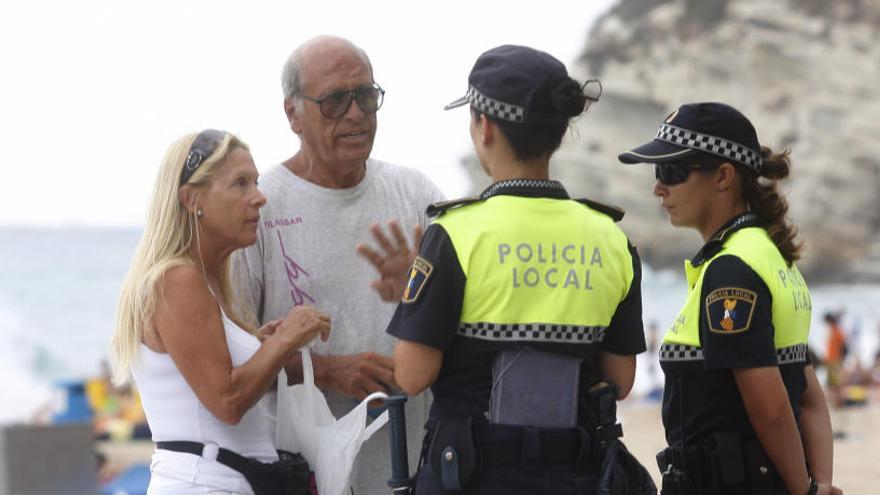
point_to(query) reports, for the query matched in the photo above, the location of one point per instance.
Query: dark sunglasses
(203, 146)
(671, 173)
(369, 100)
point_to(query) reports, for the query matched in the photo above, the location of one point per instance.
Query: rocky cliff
(805, 72)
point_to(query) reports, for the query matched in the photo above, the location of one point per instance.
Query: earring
(199, 213)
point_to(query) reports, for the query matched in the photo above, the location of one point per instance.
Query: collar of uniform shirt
(716, 242)
(533, 188)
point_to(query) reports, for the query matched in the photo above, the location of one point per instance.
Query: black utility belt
(460, 449)
(507, 445)
(289, 475)
(726, 460)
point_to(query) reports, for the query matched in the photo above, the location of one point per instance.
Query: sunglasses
(203, 146)
(369, 100)
(671, 173)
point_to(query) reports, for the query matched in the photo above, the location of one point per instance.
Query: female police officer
(519, 301)
(738, 383)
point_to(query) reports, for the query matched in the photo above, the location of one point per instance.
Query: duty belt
(723, 462)
(460, 449)
(507, 446)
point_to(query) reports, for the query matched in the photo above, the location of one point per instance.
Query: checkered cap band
(680, 352)
(710, 144)
(792, 354)
(532, 332)
(495, 108)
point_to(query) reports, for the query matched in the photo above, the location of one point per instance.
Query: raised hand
(394, 261)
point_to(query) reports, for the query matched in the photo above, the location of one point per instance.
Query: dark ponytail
(566, 97)
(556, 102)
(765, 200)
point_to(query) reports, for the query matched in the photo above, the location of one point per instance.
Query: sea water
(58, 291)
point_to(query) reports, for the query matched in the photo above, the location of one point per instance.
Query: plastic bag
(308, 427)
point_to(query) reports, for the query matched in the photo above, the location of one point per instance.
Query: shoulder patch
(418, 277)
(729, 310)
(614, 212)
(438, 208)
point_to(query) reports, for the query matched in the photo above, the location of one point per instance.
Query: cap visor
(457, 103)
(655, 152)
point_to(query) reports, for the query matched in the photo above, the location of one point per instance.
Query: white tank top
(175, 413)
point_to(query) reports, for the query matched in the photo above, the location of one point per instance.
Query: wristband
(813, 489)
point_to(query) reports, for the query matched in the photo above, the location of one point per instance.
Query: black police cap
(504, 81)
(713, 128)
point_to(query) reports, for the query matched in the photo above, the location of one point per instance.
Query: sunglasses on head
(672, 173)
(336, 104)
(204, 145)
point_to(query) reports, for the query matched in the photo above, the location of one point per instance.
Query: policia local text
(552, 277)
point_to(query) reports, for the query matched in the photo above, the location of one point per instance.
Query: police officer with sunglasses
(742, 408)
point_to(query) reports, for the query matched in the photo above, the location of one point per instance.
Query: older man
(322, 201)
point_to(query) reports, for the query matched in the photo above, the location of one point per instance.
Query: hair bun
(567, 97)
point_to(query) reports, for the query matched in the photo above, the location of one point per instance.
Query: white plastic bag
(308, 427)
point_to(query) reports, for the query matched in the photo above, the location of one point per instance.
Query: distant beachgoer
(117, 411)
(735, 356)
(652, 338)
(835, 355)
(200, 370)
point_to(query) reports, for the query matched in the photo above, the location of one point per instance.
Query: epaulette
(438, 208)
(614, 212)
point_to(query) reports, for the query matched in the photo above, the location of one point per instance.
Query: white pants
(173, 473)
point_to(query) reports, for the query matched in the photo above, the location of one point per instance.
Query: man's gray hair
(291, 74)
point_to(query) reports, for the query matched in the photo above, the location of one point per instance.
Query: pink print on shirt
(282, 222)
(293, 271)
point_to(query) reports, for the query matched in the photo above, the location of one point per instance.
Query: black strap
(612, 211)
(693, 459)
(437, 208)
(226, 457)
(510, 446)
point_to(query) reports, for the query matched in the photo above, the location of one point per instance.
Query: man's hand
(394, 261)
(356, 375)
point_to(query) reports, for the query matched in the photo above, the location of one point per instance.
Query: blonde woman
(201, 372)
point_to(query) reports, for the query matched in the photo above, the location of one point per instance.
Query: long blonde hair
(169, 232)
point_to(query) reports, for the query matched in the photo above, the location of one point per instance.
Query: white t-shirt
(305, 254)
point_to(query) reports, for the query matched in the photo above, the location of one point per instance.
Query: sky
(94, 91)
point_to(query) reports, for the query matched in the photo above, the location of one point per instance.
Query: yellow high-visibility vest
(791, 303)
(538, 269)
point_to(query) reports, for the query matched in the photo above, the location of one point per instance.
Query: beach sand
(856, 455)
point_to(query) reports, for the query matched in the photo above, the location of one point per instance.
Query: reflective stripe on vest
(538, 269)
(791, 303)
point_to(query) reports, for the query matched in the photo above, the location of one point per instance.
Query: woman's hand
(300, 326)
(268, 329)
